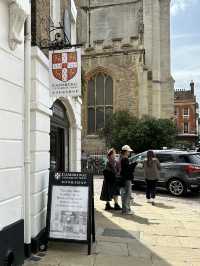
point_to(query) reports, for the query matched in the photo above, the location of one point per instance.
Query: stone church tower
(126, 61)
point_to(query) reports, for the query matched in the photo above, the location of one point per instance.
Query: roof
(184, 95)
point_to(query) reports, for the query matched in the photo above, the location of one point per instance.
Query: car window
(139, 157)
(194, 158)
(165, 158)
(189, 158)
(142, 157)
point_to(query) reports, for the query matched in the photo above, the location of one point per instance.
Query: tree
(141, 134)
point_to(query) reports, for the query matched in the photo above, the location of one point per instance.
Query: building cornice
(18, 12)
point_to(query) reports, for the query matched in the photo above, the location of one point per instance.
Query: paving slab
(190, 242)
(167, 234)
(112, 249)
(119, 261)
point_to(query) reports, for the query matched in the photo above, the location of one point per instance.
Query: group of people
(119, 176)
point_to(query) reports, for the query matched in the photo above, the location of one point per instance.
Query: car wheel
(176, 187)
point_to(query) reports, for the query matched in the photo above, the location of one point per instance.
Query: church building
(126, 62)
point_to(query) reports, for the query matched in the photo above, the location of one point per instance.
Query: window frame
(55, 11)
(96, 106)
(162, 156)
(184, 132)
(188, 112)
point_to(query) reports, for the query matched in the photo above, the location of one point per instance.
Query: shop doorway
(59, 138)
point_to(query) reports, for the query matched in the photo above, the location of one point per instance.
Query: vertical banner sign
(65, 72)
(70, 214)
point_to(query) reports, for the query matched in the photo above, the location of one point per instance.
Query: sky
(185, 43)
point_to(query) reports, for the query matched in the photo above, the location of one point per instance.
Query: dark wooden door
(57, 149)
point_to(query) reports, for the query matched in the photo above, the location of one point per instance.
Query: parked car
(180, 170)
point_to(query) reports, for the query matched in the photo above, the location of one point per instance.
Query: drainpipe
(27, 159)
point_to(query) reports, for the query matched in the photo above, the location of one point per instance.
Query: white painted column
(75, 148)
(27, 159)
(40, 140)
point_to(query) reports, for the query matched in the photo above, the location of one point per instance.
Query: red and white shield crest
(64, 65)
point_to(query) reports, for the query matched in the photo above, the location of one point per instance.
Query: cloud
(180, 5)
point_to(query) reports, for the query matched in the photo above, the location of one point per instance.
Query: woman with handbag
(109, 188)
(152, 173)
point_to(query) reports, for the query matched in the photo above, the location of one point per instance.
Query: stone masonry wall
(123, 65)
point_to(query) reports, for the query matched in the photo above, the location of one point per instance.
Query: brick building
(126, 61)
(186, 114)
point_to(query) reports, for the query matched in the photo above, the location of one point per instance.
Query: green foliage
(141, 134)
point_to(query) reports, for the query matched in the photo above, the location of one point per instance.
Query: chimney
(192, 86)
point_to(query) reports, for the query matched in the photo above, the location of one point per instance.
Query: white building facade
(36, 132)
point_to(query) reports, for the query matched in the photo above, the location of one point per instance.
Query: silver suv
(180, 170)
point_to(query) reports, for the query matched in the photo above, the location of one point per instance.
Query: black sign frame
(76, 179)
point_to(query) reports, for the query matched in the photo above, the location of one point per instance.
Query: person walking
(109, 189)
(152, 173)
(127, 170)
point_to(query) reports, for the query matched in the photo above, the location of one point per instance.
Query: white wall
(40, 139)
(11, 120)
(73, 109)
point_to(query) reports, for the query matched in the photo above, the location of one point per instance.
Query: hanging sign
(70, 214)
(65, 72)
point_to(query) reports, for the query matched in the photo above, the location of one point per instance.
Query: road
(190, 199)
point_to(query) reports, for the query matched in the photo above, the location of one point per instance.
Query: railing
(93, 162)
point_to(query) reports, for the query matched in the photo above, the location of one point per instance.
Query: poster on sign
(69, 213)
(65, 72)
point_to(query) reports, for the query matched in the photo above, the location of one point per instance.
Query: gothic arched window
(100, 101)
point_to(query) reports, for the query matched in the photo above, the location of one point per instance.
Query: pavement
(161, 235)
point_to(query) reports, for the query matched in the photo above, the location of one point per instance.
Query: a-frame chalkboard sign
(70, 209)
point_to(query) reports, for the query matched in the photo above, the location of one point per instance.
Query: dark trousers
(151, 189)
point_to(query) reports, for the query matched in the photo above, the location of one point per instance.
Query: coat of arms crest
(64, 65)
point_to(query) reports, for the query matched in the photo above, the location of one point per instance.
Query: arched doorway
(59, 138)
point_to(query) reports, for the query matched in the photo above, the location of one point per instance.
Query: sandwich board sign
(70, 209)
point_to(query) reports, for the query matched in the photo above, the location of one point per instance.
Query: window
(186, 127)
(100, 101)
(186, 111)
(191, 158)
(165, 158)
(55, 11)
